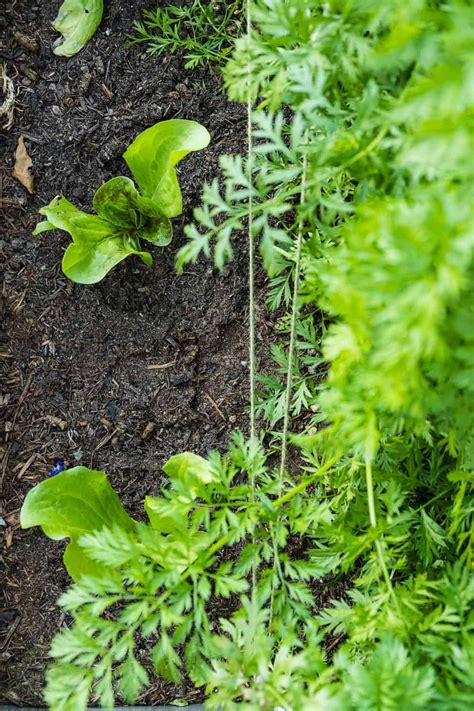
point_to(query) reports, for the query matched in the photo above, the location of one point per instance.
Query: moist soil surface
(117, 376)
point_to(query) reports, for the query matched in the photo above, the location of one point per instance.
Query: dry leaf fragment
(26, 466)
(150, 427)
(23, 163)
(9, 537)
(27, 42)
(56, 421)
(159, 366)
(13, 519)
(106, 91)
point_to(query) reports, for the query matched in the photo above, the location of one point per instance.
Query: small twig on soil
(22, 398)
(10, 202)
(215, 406)
(18, 306)
(5, 464)
(161, 366)
(106, 90)
(27, 465)
(102, 443)
(335, 642)
(10, 633)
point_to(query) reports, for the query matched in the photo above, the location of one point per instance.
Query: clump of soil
(121, 375)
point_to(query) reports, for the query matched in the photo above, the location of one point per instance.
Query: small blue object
(58, 467)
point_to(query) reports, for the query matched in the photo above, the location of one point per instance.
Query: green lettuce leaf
(189, 474)
(165, 517)
(97, 246)
(77, 21)
(190, 471)
(115, 201)
(118, 201)
(71, 504)
(154, 153)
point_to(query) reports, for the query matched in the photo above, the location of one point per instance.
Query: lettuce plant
(71, 504)
(124, 214)
(77, 21)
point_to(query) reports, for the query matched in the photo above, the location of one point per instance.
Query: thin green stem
(251, 247)
(373, 522)
(441, 495)
(291, 359)
(294, 315)
(282, 500)
(368, 148)
(370, 493)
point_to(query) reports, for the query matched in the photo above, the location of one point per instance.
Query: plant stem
(291, 358)
(304, 484)
(368, 149)
(294, 314)
(251, 246)
(373, 523)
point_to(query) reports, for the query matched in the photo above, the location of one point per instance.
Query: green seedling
(203, 31)
(124, 216)
(77, 21)
(70, 505)
(80, 502)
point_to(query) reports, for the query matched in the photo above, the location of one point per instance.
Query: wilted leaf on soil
(23, 163)
(77, 21)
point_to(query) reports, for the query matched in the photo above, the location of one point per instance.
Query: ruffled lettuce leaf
(74, 503)
(154, 154)
(101, 241)
(119, 202)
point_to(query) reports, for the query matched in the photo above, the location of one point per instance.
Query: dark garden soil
(117, 376)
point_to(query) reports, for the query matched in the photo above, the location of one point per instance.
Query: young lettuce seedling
(70, 505)
(124, 215)
(78, 503)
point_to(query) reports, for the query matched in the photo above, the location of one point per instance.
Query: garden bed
(336, 564)
(121, 375)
